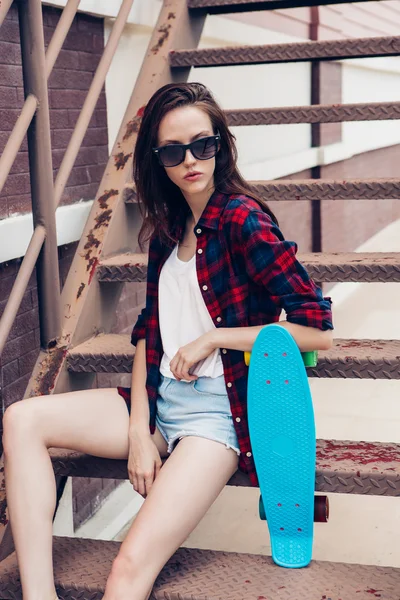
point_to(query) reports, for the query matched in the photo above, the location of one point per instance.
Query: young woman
(219, 270)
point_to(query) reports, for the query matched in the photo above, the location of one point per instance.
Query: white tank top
(183, 315)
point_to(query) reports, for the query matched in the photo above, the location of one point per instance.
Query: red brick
(17, 184)
(11, 75)
(67, 59)
(96, 136)
(15, 391)
(24, 323)
(60, 138)
(10, 373)
(16, 348)
(9, 31)
(98, 43)
(67, 98)
(26, 304)
(89, 24)
(10, 54)
(101, 117)
(70, 79)
(8, 117)
(27, 361)
(21, 163)
(77, 41)
(59, 119)
(8, 97)
(19, 205)
(88, 61)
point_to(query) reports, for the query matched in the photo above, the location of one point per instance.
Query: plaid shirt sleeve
(139, 329)
(271, 263)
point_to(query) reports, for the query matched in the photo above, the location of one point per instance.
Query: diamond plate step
(218, 7)
(319, 189)
(318, 113)
(348, 467)
(293, 52)
(347, 359)
(82, 566)
(371, 267)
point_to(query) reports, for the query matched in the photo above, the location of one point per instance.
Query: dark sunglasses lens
(171, 155)
(205, 148)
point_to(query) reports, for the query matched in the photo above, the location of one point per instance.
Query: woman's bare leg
(92, 421)
(185, 488)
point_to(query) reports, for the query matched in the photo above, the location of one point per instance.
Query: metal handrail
(21, 127)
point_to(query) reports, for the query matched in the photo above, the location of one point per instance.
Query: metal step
(314, 189)
(318, 113)
(347, 359)
(347, 467)
(82, 566)
(218, 7)
(367, 267)
(293, 52)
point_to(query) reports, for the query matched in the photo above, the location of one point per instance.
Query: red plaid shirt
(247, 274)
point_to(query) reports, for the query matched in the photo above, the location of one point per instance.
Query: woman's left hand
(189, 355)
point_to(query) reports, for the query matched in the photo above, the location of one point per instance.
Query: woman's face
(183, 125)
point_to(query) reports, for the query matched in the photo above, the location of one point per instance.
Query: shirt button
(224, 350)
(219, 319)
(199, 251)
(248, 454)
(229, 384)
(238, 419)
(205, 288)
(198, 230)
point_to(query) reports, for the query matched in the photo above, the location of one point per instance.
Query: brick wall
(68, 86)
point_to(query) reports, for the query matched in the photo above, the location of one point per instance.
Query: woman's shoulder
(240, 206)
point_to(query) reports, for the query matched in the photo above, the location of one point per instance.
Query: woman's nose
(189, 158)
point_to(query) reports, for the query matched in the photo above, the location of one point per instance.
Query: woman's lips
(193, 177)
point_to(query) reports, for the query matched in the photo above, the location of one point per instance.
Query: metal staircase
(107, 257)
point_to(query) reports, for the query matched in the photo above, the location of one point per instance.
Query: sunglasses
(172, 155)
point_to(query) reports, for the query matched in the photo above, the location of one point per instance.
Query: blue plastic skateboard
(282, 436)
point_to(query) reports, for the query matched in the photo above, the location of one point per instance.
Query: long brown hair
(161, 202)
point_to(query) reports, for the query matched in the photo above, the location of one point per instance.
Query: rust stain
(48, 371)
(171, 15)
(81, 288)
(132, 127)
(121, 159)
(107, 194)
(92, 265)
(164, 31)
(362, 453)
(103, 219)
(92, 242)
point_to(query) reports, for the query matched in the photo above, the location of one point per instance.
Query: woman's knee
(19, 419)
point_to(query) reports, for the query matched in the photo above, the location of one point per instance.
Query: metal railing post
(41, 169)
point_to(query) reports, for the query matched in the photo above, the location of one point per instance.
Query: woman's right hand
(144, 461)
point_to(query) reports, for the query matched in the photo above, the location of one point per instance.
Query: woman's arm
(243, 338)
(139, 420)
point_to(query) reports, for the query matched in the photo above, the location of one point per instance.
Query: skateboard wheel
(261, 510)
(321, 509)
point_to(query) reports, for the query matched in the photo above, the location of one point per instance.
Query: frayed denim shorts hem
(198, 408)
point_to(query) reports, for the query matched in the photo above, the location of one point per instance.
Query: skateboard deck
(282, 436)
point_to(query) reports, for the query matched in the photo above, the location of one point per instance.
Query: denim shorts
(200, 408)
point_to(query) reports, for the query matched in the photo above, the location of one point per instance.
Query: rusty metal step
(348, 467)
(82, 566)
(318, 113)
(293, 52)
(218, 7)
(314, 189)
(347, 359)
(367, 267)
(358, 359)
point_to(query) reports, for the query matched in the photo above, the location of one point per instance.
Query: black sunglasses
(172, 155)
